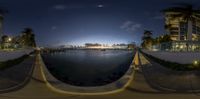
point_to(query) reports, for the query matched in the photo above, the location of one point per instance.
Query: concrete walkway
(10, 55)
(165, 79)
(139, 84)
(35, 89)
(138, 89)
(178, 57)
(17, 76)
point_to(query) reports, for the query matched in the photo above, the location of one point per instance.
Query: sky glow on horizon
(75, 22)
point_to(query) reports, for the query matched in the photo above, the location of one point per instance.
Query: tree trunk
(179, 33)
(1, 27)
(189, 30)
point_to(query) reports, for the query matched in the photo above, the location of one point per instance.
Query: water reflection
(88, 67)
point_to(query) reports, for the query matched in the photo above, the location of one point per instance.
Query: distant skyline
(76, 22)
(104, 44)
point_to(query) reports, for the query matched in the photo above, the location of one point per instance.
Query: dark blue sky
(57, 22)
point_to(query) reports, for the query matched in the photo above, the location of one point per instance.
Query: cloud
(59, 7)
(130, 26)
(156, 15)
(126, 24)
(100, 6)
(53, 28)
(64, 7)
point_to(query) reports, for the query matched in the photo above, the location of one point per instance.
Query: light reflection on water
(88, 67)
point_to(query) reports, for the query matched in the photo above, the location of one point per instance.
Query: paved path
(17, 76)
(37, 89)
(178, 57)
(9, 55)
(165, 79)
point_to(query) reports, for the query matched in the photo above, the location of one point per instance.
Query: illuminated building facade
(185, 35)
(178, 28)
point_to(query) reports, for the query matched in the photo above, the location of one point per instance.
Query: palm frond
(174, 9)
(168, 26)
(182, 4)
(174, 16)
(148, 30)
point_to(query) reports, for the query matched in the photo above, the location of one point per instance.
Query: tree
(187, 13)
(147, 33)
(4, 40)
(147, 40)
(165, 38)
(2, 13)
(27, 38)
(198, 38)
(168, 27)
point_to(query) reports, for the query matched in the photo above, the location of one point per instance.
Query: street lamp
(181, 47)
(195, 62)
(9, 39)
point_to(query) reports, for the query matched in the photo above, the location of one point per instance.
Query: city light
(181, 47)
(196, 62)
(9, 39)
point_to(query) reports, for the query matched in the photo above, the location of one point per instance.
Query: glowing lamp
(195, 62)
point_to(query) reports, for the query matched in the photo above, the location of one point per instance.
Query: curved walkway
(162, 78)
(137, 89)
(61, 87)
(17, 76)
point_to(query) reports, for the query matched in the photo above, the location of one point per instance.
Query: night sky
(58, 22)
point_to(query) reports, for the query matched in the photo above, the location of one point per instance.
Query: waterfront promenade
(139, 88)
(178, 57)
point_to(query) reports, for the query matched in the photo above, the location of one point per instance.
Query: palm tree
(2, 13)
(4, 40)
(27, 38)
(147, 33)
(147, 40)
(187, 13)
(165, 38)
(168, 27)
(198, 38)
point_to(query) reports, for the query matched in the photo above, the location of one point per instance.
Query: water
(88, 67)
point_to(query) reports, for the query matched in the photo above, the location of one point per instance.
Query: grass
(173, 65)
